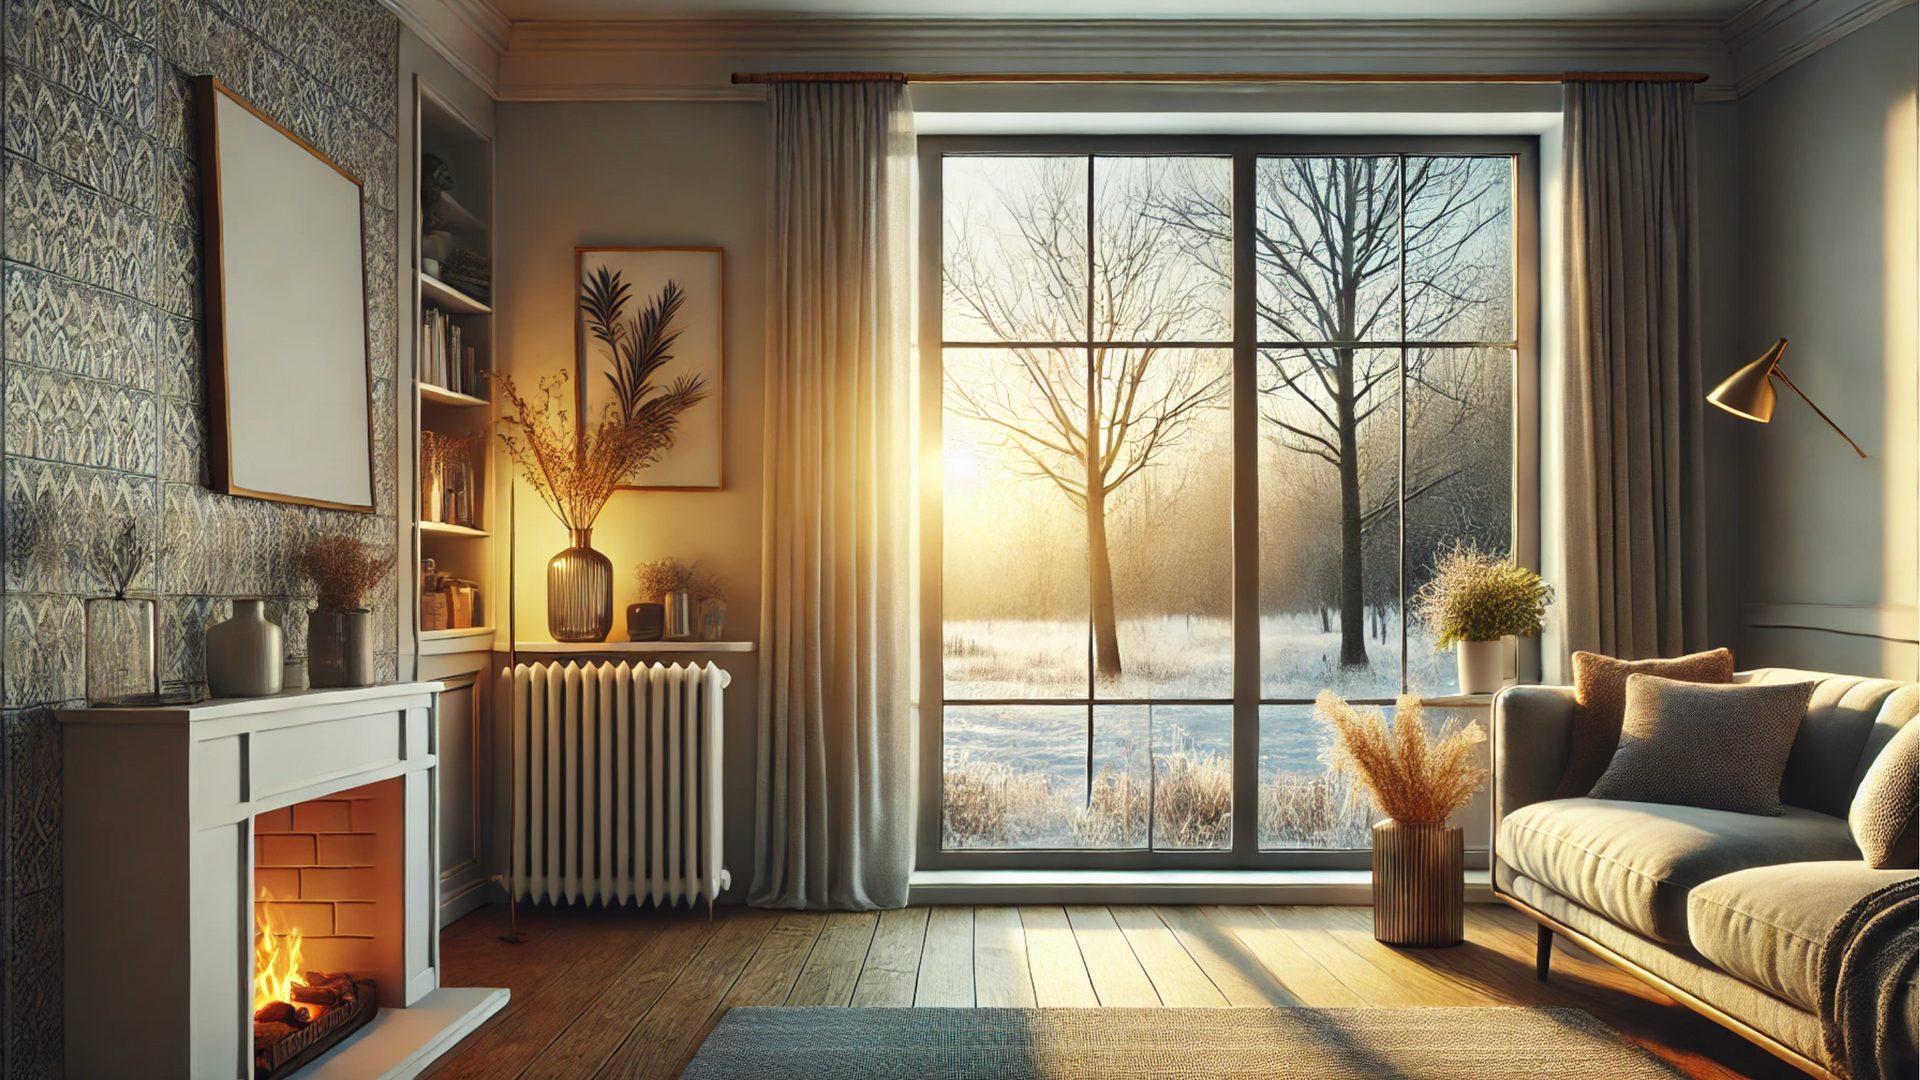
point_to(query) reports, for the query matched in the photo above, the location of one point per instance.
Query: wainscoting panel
(104, 417)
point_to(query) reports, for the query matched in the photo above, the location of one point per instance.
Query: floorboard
(626, 994)
(946, 960)
(1002, 978)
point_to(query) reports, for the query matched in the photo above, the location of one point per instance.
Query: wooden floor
(626, 994)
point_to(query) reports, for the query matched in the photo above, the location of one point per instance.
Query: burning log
(304, 1031)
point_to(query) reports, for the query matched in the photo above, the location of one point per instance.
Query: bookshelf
(453, 329)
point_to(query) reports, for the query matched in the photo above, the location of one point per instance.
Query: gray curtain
(1635, 525)
(833, 781)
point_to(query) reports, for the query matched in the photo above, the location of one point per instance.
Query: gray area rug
(1138, 1044)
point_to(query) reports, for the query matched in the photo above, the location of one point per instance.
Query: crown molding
(471, 35)
(682, 59)
(693, 59)
(1771, 36)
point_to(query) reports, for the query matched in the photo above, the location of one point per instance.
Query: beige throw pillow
(1883, 812)
(1715, 747)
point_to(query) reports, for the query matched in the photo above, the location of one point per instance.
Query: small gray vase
(245, 654)
(340, 648)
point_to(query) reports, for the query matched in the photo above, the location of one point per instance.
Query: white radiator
(616, 782)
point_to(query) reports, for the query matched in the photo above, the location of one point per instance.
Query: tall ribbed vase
(580, 591)
(1419, 883)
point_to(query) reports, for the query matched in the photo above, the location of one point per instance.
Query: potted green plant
(1474, 602)
(1417, 781)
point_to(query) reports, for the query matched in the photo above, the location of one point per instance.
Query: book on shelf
(445, 361)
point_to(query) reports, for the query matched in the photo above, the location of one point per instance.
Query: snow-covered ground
(1164, 658)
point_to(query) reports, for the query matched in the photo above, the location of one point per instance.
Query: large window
(1207, 413)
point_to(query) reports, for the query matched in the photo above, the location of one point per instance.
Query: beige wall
(643, 175)
(1827, 257)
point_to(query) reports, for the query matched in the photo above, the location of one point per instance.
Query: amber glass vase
(579, 591)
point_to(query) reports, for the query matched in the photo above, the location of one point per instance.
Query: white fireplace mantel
(158, 842)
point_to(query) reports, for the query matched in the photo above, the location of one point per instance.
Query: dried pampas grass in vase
(1418, 781)
(344, 570)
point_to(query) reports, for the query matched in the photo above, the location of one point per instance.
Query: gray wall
(644, 175)
(104, 380)
(1827, 258)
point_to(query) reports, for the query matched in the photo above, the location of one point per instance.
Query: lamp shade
(1749, 391)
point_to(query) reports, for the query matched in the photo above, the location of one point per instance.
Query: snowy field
(1164, 658)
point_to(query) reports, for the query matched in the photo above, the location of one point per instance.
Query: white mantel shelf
(582, 648)
(226, 708)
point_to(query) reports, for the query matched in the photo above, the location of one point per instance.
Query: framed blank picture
(288, 360)
(694, 461)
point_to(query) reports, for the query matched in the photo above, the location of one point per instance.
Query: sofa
(1724, 912)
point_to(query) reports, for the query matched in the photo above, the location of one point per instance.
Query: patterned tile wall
(102, 389)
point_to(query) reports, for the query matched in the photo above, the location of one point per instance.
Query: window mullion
(1246, 522)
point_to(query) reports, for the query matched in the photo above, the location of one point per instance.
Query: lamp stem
(1816, 409)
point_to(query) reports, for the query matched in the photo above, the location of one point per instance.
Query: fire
(276, 958)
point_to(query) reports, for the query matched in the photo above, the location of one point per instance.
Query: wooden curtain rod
(1212, 77)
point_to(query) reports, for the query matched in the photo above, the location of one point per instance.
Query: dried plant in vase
(123, 642)
(1475, 600)
(344, 570)
(1419, 861)
(575, 471)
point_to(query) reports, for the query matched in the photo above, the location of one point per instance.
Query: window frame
(1246, 701)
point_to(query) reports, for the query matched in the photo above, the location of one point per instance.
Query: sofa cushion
(1883, 811)
(1825, 766)
(1600, 688)
(1768, 924)
(1719, 747)
(1635, 862)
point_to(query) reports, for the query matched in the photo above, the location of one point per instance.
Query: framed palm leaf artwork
(648, 327)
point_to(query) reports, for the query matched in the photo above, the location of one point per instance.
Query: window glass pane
(1459, 249)
(1459, 477)
(1163, 249)
(1328, 248)
(1166, 460)
(1329, 449)
(1016, 776)
(1302, 805)
(1014, 591)
(1192, 776)
(1015, 248)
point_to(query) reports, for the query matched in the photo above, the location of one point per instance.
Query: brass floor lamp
(1749, 392)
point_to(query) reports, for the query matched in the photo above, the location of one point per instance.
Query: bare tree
(1088, 419)
(1332, 245)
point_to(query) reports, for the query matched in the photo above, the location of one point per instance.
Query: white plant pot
(1482, 665)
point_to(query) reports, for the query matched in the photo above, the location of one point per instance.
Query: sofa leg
(1542, 952)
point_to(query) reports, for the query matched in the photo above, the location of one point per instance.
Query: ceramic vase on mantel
(340, 648)
(1483, 665)
(579, 591)
(246, 654)
(1419, 883)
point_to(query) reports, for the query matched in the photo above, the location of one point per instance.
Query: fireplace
(328, 921)
(288, 924)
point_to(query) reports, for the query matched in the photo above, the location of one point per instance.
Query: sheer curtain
(833, 822)
(1635, 524)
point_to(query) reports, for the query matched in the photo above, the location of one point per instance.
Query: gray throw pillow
(1882, 816)
(1715, 747)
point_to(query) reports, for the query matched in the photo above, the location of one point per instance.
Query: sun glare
(962, 468)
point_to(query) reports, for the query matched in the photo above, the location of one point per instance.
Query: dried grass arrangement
(574, 470)
(1399, 766)
(1481, 596)
(660, 577)
(663, 576)
(343, 569)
